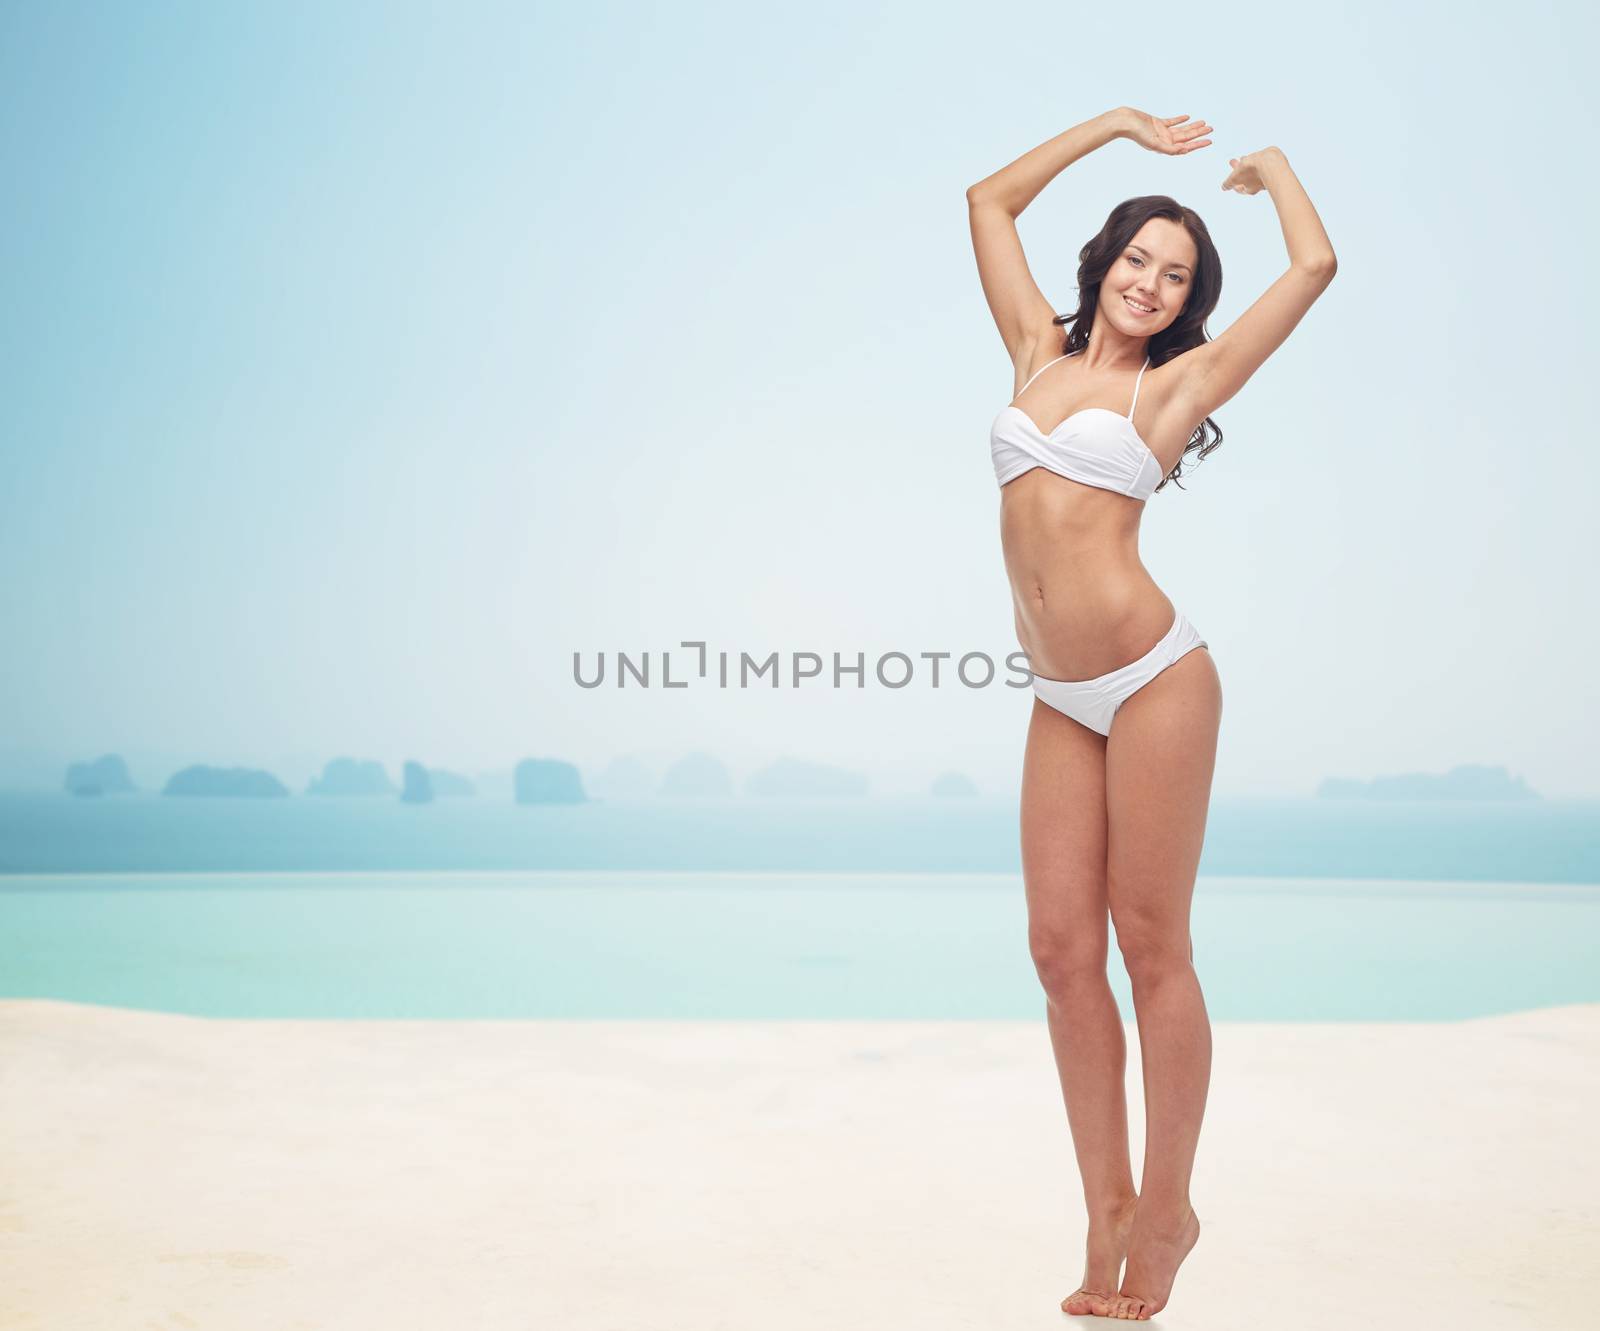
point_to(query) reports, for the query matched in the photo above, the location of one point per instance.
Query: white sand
(178, 1172)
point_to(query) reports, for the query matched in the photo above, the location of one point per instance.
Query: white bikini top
(1094, 446)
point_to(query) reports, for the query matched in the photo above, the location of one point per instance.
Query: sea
(742, 909)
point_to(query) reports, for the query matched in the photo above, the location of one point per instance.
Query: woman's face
(1154, 271)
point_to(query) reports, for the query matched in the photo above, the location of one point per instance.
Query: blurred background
(367, 366)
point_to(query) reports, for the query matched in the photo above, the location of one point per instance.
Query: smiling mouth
(1136, 307)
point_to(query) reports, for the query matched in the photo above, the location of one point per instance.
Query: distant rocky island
(450, 785)
(367, 778)
(235, 781)
(1459, 783)
(351, 776)
(547, 781)
(423, 785)
(106, 775)
(536, 781)
(698, 775)
(417, 788)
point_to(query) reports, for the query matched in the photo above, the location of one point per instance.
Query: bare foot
(1154, 1254)
(1107, 1246)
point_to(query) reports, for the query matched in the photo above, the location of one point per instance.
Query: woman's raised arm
(1012, 188)
(1214, 371)
(1309, 246)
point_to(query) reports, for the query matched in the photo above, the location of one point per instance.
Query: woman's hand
(1246, 174)
(1168, 136)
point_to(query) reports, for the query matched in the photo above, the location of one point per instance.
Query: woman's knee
(1066, 959)
(1152, 948)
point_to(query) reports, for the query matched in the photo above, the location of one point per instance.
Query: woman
(1122, 740)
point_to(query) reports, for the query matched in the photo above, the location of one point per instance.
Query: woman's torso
(1085, 604)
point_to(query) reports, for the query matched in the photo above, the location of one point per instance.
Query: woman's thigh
(1064, 840)
(1159, 761)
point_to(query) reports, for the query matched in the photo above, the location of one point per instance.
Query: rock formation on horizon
(350, 776)
(1469, 782)
(417, 788)
(229, 781)
(548, 781)
(106, 775)
(450, 785)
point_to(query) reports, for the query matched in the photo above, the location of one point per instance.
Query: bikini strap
(1142, 369)
(1037, 373)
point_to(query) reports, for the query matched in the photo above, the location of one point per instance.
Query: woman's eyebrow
(1148, 255)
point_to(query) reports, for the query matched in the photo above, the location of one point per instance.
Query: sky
(363, 363)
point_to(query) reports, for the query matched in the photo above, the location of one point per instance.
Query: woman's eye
(1134, 258)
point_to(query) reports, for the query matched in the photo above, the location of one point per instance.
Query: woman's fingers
(1175, 138)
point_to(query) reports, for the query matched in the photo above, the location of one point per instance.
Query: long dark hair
(1187, 330)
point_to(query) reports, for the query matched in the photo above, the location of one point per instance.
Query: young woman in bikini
(1122, 740)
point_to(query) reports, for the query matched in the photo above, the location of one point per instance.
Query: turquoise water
(1532, 842)
(739, 945)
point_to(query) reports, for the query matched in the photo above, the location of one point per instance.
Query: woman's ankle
(1114, 1210)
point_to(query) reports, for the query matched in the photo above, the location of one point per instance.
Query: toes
(1088, 1303)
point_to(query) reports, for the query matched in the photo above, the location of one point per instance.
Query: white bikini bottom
(1093, 702)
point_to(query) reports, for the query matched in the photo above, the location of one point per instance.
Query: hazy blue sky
(362, 362)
